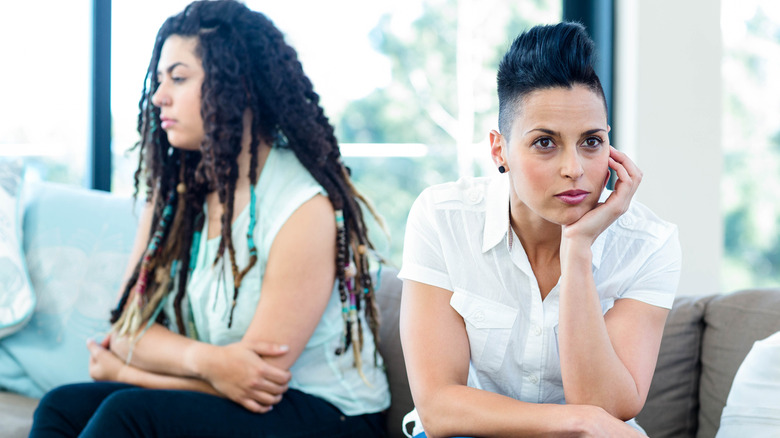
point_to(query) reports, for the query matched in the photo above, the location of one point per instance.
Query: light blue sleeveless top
(284, 185)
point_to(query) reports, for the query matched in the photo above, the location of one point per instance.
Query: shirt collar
(497, 218)
(497, 214)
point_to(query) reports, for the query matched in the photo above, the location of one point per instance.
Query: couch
(705, 338)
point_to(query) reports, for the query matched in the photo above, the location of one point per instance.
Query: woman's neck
(541, 239)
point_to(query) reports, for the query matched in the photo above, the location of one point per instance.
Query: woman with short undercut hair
(534, 300)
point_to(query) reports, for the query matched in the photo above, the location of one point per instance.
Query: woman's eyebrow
(544, 130)
(593, 131)
(556, 133)
(171, 67)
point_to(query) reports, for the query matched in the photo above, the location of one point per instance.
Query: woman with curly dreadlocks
(243, 312)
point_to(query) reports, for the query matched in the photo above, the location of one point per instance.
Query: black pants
(106, 409)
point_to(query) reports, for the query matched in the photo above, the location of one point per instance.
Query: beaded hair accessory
(133, 317)
(250, 241)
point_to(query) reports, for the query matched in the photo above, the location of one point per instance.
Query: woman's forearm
(146, 379)
(444, 413)
(161, 351)
(591, 370)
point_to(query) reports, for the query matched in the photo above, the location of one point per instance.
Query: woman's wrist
(575, 251)
(196, 359)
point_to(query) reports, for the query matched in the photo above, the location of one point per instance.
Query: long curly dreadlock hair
(247, 64)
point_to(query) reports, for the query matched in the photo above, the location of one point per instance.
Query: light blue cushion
(77, 244)
(17, 300)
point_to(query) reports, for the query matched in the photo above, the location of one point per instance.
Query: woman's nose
(571, 165)
(160, 97)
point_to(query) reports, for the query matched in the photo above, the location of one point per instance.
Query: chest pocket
(488, 325)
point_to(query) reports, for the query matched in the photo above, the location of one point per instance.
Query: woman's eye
(177, 79)
(544, 143)
(592, 142)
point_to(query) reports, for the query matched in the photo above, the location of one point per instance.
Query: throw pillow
(77, 243)
(16, 296)
(734, 322)
(672, 403)
(753, 406)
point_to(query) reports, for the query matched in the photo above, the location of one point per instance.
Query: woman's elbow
(626, 410)
(434, 417)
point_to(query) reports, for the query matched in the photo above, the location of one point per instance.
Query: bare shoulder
(308, 236)
(315, 216)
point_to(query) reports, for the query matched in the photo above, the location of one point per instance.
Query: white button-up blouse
(457, 239)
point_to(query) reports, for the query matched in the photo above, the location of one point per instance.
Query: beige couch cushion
(15, 415)
(673, 401)
(733, 323)
(389, 302)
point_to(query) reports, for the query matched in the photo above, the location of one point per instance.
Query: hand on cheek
(593, 223)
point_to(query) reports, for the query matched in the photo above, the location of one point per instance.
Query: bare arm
(298, 281)
(606, 360)
(436, 351)
(106, 366)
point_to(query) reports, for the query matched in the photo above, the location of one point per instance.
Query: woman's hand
(103, 364)
(239, 372)
(592, 421)
(594, 222)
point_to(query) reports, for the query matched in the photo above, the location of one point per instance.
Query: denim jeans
(103, 409)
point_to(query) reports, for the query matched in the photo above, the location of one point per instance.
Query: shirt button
(533, 379)
(479, 316)
(474, 195)
(537, 330)
(626, 221)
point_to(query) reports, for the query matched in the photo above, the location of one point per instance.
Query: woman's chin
(183, 145)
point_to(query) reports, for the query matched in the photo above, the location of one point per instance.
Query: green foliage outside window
(751, 120)
(442, 95)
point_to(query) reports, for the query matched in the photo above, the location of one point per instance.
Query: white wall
(668, 118)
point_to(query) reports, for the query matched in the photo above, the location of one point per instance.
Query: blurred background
(410, 87)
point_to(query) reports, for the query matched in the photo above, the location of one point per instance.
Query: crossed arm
(438, 362)
(254, 372)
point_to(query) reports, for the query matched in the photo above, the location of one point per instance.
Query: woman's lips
(166, 123)
(572, 197)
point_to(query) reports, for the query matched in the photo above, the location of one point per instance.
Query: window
(407, 113)
(751, 142)
(45, 87)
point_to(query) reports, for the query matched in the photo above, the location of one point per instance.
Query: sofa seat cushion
(672, 403)
(733, 323)
(16, 413)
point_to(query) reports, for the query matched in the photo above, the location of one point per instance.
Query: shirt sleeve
(423, 258)
(656, 281)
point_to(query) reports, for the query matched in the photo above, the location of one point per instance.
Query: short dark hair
(545, 56)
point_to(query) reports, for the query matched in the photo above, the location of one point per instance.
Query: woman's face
(180, 73)
(556, 154)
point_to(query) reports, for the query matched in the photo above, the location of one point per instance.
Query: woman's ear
(497, 149)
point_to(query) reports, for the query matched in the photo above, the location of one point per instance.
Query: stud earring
(501, 169)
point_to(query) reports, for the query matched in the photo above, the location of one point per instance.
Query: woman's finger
(622, 173)
(270, 387)
(627, 163)
(254, 406)
(265, 399)
(276, 375)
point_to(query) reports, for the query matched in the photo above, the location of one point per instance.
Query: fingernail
(284, 347)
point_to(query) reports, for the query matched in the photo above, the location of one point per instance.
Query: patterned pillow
(16, 296)
(76, 244)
